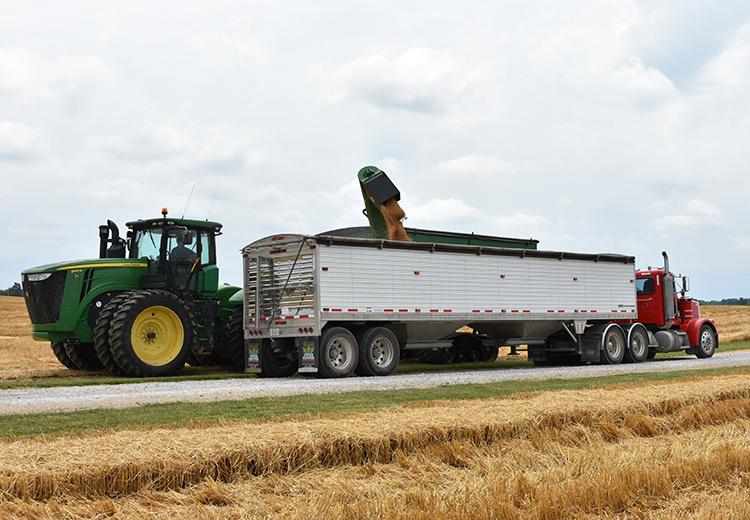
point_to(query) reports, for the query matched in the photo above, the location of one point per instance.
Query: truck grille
(43, 298)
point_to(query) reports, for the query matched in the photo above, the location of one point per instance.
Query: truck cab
(672, 318)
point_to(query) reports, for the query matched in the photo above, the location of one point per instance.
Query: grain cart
(145, 307)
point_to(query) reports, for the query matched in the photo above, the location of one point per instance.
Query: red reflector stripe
(514, 310)
(304, 316)
(561, 310)
(403, 310)
(434, 310)
(488, 310)
(447, 310)
(351, 310)
(548, 310)
(336, 310)
(387, 310)
(476, 310)
(526, 310)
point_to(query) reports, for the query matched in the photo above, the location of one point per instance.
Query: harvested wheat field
(732, 321)
(661, 450)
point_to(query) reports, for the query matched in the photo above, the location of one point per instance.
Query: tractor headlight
(38, 277)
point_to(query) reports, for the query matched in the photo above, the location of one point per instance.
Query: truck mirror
(685, 284)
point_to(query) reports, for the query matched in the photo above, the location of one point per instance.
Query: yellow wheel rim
(157, 335)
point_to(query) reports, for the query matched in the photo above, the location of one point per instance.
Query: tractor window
(206, 248)
(644, 285)
(181, 246)
(147, 244)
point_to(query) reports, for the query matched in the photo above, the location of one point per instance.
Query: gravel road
(62, 399)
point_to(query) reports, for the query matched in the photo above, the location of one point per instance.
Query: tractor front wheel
(152, 334)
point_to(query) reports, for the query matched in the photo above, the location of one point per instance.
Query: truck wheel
(338, 353)
(276, 360)
(152, 334)
(637, 350)
(707, 342)
(58, 349)
(613, 345)
(378, 352)
(101, 334)
(83, 356)
(231, 352)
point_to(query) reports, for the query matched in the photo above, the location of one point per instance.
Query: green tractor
(145, 307)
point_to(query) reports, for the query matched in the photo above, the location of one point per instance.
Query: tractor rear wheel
(58, 349)
(152, 334)
(83, 356)
(231, 352)
(101, 334)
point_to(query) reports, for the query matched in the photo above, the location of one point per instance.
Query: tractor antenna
(188, 201)
(210, 204)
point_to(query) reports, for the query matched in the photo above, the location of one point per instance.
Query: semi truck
(349, 302)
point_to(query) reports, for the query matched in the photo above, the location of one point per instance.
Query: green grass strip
(265, 408)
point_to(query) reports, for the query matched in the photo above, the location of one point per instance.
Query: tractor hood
(97, 263)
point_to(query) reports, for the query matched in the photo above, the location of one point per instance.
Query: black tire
(379, 352)
(651, 353)
(487, 354)
(58, 349)
(637, 348)
(613, 346)
(231, 352)
(101, 334)
(708, 342)
(83, 356)
(339, 353)
(122, 323)
(278, 358)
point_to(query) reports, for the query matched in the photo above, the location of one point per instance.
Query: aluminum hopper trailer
(336, 305)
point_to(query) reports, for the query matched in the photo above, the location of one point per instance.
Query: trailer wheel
(276, 360)
(58, 349)
(378, 352)
(83, 356)
(613, 345)
(707, 342)
(637, 350)
(152, 334)
(338, 353)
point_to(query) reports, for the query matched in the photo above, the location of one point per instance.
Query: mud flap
(252, 356)
(589, 347)
(307, 350)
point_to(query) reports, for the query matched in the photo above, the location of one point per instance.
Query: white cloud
(742, 243)
(30, 77)
(521, 224)
(698, 213)
(701, 207)
(731, 67)
(442, 211)
(471, 165)
(420, 80)
(19, 142)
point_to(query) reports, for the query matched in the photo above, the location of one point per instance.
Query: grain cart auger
(148, 304)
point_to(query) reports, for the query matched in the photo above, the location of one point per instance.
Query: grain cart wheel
(101, 334)
(152, 334)
(379, 352)
(338, 353)
(83, 356)
(231, 352)
(651, 353)
(278, 358)
(488, 354)
(707, 342)
(613, 345)
(637, 350)
(58, 349)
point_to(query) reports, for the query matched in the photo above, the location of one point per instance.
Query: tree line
(13, 290)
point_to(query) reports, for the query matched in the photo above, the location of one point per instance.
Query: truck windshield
(644, 285)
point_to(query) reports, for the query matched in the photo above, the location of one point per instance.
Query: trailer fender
(693, 330)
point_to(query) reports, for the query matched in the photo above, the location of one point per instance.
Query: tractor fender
(227, 295)
(693, 329)
(238, 298)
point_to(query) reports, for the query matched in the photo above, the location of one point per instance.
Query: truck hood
(96, 263)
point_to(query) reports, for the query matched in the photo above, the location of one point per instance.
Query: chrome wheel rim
(707, 341)
(382, 351)
(614, 345)
(340, 353)
(638, 344)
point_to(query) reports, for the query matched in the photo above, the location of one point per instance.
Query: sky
(590, 125)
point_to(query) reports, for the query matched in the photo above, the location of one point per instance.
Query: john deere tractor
(149, 304)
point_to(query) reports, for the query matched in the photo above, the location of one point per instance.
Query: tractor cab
(181, 253)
